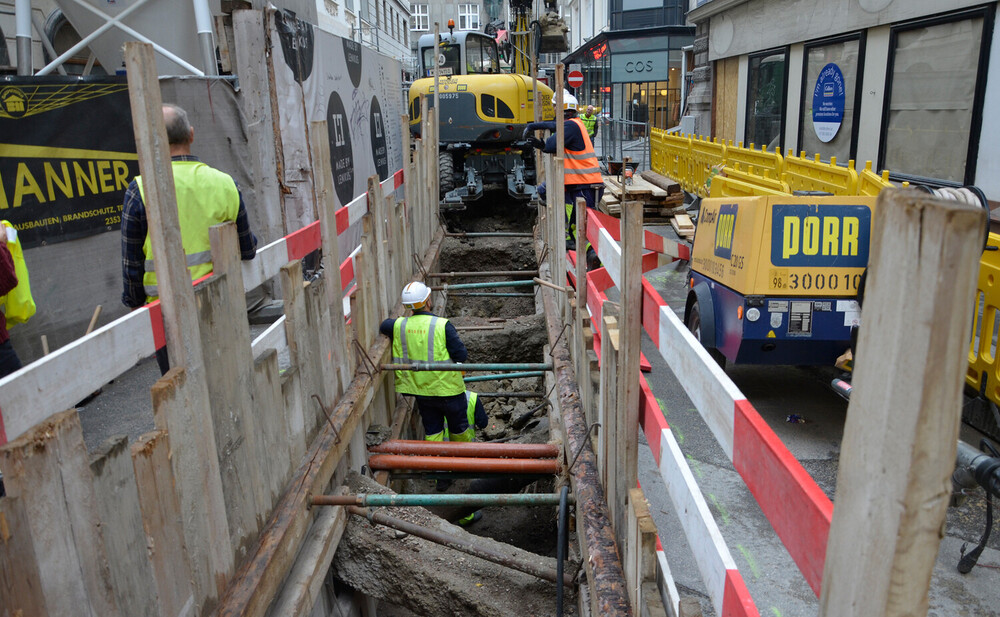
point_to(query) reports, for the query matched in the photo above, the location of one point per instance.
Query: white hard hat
(569, 101)
(415, 294)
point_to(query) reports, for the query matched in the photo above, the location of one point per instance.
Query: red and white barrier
(793, 503)
(68, 375)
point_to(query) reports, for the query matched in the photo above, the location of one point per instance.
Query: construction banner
(67, 154)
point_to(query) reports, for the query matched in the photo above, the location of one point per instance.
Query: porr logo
(725, 228)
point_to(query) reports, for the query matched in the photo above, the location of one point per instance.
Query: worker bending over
(440, 395)
(582, 173)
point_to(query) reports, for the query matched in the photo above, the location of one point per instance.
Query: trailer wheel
(446, 172)
(694, 325)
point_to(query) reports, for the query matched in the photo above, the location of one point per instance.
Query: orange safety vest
(581, 166)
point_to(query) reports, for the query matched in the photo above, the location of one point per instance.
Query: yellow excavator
(484, 109)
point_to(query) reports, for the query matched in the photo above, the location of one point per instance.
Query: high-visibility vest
(471, 398)
(18, 306)
(421, 338)
(205, 197)
(581, 166)
(589, 122)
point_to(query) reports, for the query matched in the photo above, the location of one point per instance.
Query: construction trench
(499, 325)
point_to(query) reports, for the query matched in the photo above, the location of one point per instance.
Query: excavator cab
(462, 53)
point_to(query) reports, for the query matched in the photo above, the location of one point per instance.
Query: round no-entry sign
(575, 79)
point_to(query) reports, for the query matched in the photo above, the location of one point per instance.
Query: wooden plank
(606, 410)
(661, 181)
(893, 482)
(327, 207)
(376, 206)
(183, 397)
(641, 186)
(272, 422)
(161, 521)
(318, 323)
(682, 224)
(20, 583)
(301, 348)
(630, 329)
(180, 408)
(650, 603)
(48, 469)
(229, 394)
(252, 53)
(293, 401)
(117, 501)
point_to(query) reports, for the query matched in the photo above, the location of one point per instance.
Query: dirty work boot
(465, 521)
(593, 262)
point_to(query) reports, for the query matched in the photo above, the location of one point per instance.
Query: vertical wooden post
(161, 520)
(273, 422)
(327, 207)
(121, 525)
(47, 468)
(194, 459)
(20, 583)
(893, 481)
(297, 334)
(431, 165)
(436, 119)
(560, 102)
(640, 548)
(606, 413)
(630, 328)
(380, 244)
(581, 360)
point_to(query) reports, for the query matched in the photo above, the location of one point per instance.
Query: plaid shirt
(134, 228)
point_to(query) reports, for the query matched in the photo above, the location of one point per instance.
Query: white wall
(987, 177)
(873, 95)
(793, 98)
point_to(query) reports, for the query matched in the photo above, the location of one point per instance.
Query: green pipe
(469, 294)
(504, 376)
(487, 285)
(456, 366)
(441, 499)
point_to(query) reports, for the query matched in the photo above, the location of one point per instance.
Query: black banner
(67, 154)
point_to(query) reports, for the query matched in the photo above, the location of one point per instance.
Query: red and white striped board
(718, 570)
(793, 503)
(29, 396)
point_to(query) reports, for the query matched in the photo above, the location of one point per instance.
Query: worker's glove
(536, 143)
(528, 130)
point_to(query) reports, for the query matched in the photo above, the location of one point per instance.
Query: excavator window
(448, 59)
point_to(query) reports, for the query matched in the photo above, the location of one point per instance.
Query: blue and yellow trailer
(774, 279)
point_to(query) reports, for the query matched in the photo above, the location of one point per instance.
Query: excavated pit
(505, 330)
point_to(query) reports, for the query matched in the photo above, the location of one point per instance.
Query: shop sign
(638, 67)
(828, 102)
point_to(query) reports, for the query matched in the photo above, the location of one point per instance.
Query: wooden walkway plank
(121, 527)
(161, 521)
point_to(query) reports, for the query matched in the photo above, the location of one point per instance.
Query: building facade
(901, 83)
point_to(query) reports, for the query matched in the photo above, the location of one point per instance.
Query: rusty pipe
(458, 463)
(467, 546)
(471, 449)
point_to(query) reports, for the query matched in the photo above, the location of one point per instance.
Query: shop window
(830, 87)
(934, 97)
(766, 98)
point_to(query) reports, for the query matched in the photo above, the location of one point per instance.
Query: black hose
(562, 536)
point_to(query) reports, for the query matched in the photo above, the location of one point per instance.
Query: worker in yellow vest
(476, 415)
(425, 337)
(589, 120)
(582, 172)
(205, 197)
(16, 303)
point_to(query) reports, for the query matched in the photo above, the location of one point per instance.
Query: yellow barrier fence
(803, 174)
(704, 155)
(767, 164)
(984, 363)
(870, 183)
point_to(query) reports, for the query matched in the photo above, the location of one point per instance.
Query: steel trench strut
(469, 547)
(483, 273)
(440, 499)
(500, 376)
(475, 449)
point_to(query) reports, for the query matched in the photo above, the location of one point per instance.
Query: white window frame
(421, 17)
(466, 14)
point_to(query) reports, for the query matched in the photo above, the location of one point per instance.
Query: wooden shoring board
(272, 423)
(327, 207)
(117, 498)
(161, 521)
(48, 469)
(180, 398)
(19, 578)
(229, 404)
(640, 548)
(300, 348)
(258, 580)
(608, 401)
(893, 481)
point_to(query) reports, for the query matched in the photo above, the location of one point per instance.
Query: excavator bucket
(552, 38)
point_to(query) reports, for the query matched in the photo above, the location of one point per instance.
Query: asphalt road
(773, 579)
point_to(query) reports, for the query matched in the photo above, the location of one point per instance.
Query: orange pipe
(471, 449)
(458, 463)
